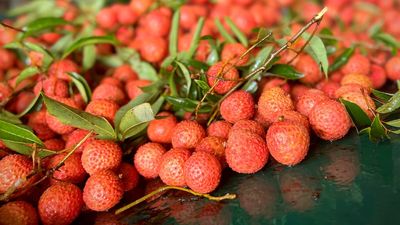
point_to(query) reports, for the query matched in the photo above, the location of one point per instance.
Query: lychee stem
(165, 188)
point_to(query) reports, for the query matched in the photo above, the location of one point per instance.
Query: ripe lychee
(75, 137)
(307, 101)
(171, 166)
(298, 90)
(202, 172)
(60, 204)
(248, 125)
(125, 73)
(328, 87)
(187, 134)
(18, 213)
(219, 128)
(52, 86)
(350, 88)
(5, 92)
(363, 100)
(128, 175)
(293, 117)
(329, 120)
(237, 106)
(106, 18)
(55, 144)
(215, 146)
(160, 130)
(272, 101)
(55, 124)
(102, 190)
(233, 53)
(271, 82)
(147, 159)
(392, 67)
(133, 87)
(225, 74)
(109, 92)
(309, 67)
(104, 108)
(61, 68)
(13, 171)
(355, 78)
(377, 76)
(357, 64)
(154, 49)
(71, 171)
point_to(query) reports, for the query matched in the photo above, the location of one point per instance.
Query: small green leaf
(89, 56)
(135, 120)
(378, 131)
(358, 116)
(14, 45)
(326, 34)
(35, 105)
(251, 87)
(342, 59)
(382, 95)
(260, 59)
(17, 133)
(146, 71)
(111, 60)
(187, 104)
(26, 8)
(42, 24)
(317, 50)
(88, 41)
(9, 117)
(391, 105)
(202, 84)
(388, 40)
(238, 33)
(82, 86)
(285, 71)
(394, 123)
(197, 64)
(80, 119)
(66, 40)
(224, 32)
(173, 35)
(156, 106)
(26, 73)
(145, 97)
(186, 75)
(196, 38)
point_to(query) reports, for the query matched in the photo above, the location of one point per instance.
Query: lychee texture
(288, 142)
(54, 144)
(232, 53)
(37, 121)
(171, 166)
(128, 175)
(237, 106)
(363, 100)
(133, 87)
(187, 134)
(329, 120)
(219, 128)
(215, 146)
(60, 204)
(18, 213)
(202, 172)
(246, 152)
(100, 155)
(393, 68)
(378, 76)
(13, 171)
(349, 88)
(357, 64)
(111, 81)
(106, 18)
(225, 74)
(53, 122)
(328, 87)
(75, 137)
(355, 78)
(269, 83)
(5, 92)
(298, 90)
(293, 117)
(160, 130)
(154, 49)
(272, 101)
(71, 171)
(307, 101)
(104, 108)
(125, 73)
(248, 125)
(307, 66)
(60, 69)
(108, 92)
(147, 159)
(52, 86)
(102, 191)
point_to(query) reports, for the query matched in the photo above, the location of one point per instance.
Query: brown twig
(11, 27)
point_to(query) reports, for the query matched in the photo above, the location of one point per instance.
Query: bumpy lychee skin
(128, 175)
(202, 172)
(72, 171)
(171, 166)
(288, 142)
(18, 213)
(54, 144)
(100, 155)
(329, 120)
(307, 66)
(60, 69)
(60, 204)
(328, 87)
(5, 92)
(102, 191)
(219, 128)
(355, 78)
(272, 101)
(225, 74)
(307, 101)
(75, 137)
(108, 92)
(125, 73)
(104, 108)
(298, 90)
(237, 106)
(350, 88)
(358, 64)
(147, 159)
(246, 152)
(377, 76)
(392, 67)
(52, 86)
(37, 121)
(215, 146)
(232, 52)
(133, 87)
(187, 134)
(154, 49)
(293, 117)
(160, 130)
(55, 124)
(13, 168)
(248, 125)
(363, 100)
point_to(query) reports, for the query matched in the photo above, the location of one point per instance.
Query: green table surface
(351, 181)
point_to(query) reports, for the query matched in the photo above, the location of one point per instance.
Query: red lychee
(160, 130)
(187, 134)
(71, 171)
(104, 108)
(233, 53)
(108, 92)
(13, 171)
(225, 74)
(219, 128)
(392, 67)
(215, 146)
(147, 159)
(306, 65)
(237, 106)
(307, 101)
(18, 213)
(61, 68)
(357, 64)
(248, 125)
(171, 166)
(128, 175)
(55, 124)
(272, 101)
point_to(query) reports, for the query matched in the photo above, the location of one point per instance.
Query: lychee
(307, 101)
(108, 92)
(355, 78)
(128, 175)
(222, 76)
(272, 101)
(357, 64)
(147, 159)
(61, 68)
(309, 67)
(125, 73)
(104, 108)
(18, 213)
(160, 130)
(219, 128)
(237, 106)
(363, 100)
(392, 67)
(75, 137)
(233, 53)
(171, 166)
(55, 124)
(377, 76)
(293, 117)
(248, 125)
(133, 87)
(71, 171)
(187, 134)
(14, 169)
(215, 146)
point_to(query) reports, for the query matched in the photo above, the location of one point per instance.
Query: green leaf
(317, 50)
(82, 86)
(88, 41)
(14, 45)
(382, 95)
(145, 97)
(17, 133)
(156, 106)
(342, 59)
(391, 105)
(111, 60)
(394, 123)
(203, 85)
(42, 24)
(173, 35)
(378, 131)
(27, 7)
(224, 32)
(35, 105)
(285, 71)
(27, 149)
(186, 75)
(47, 56)
(327, 33)
(89, 56)
(66, 40)
(187, 104)
(9, 117)
(238, 33)
(251, 87)
(146, 71)
(26, 73)
(388, 40)
(80, 119)
(135, 120)
(260, 59)
(196, 38)
(358, 116)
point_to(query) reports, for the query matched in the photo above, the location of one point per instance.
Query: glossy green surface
(352, 181)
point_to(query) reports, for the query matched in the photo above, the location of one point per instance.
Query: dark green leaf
(80, 119)
(26, 73)
(285, 71)
(203, 85)
(88, 41)
(9, 117)
(173, 35)
(42, 24)
(145, 97)
(394, 123)
(187, 104)
(186, 75)
(342, 59)
(172, 84)
(317, 50)
(82, 86)
(27, 149)
(135, 120)
(196, 38)
(382, 95)
(196, 64)
(224, 32)
(14, 45)
(391, 105)
(238, 33)
(17, 133)
(251, 87)
(378, 131)
(35, 105)
(89, 56)
(156, 106)
(358, 116)
(326, 35)
(260, 59)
